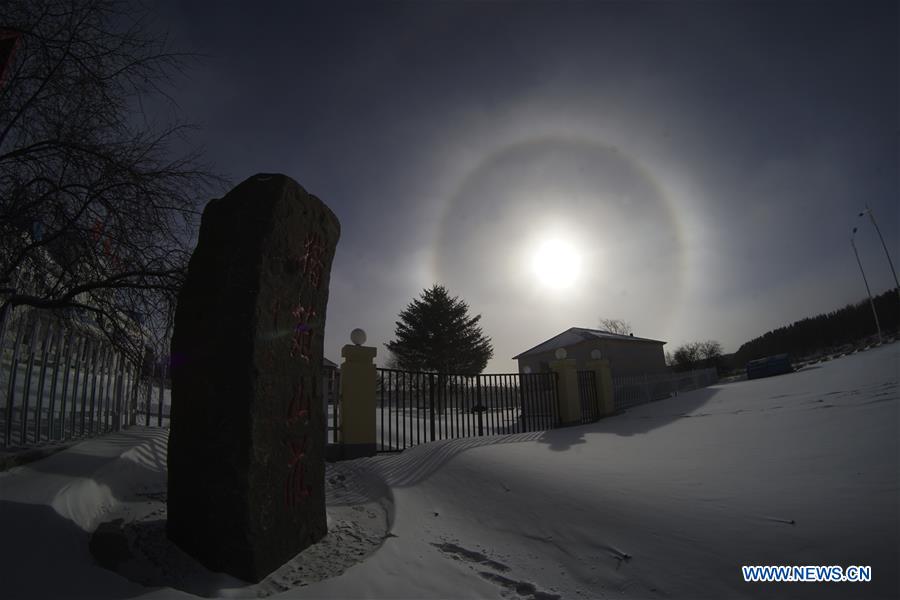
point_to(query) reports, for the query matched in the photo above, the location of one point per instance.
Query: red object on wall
(9, 42)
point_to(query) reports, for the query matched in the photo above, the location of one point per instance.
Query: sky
(693, 168)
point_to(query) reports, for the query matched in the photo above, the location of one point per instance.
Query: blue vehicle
(768, 366)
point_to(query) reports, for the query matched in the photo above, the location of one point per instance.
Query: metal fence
(639, 389)
(587, 394)
(58, 384)
(332, 404)
(416, 407)
(154, 406)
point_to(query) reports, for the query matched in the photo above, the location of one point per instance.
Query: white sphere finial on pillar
(526, 370)
(358, 336)
(561, 353)
(595, 354)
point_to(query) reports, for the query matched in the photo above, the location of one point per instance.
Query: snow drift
(667, 500)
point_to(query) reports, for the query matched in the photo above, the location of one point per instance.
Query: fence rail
(58, 384)
(587, 393)
(331, 385)
(634, 390)
(417, 407)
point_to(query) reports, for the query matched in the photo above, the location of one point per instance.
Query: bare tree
(686, 356)
(710, 350)
(96, 219)
(616, 326)
(696, 354)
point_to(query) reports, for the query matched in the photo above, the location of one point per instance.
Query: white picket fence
(639, 389)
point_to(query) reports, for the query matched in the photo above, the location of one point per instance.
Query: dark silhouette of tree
(710, 349)
(436, 333)
(686, 356)
(697, 355)
(96, 219)
(616, 326)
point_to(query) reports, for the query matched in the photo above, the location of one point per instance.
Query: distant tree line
(815, 334)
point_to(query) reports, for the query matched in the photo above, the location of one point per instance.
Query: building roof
(576, 335)
(328, 364)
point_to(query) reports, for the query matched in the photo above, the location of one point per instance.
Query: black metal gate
(587, 393)
(414, 407)
(331, 399)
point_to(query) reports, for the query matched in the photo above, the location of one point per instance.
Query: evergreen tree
(436, 333)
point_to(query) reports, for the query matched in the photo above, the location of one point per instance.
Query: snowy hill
(665, 501)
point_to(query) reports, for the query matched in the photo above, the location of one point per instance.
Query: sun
(556, 263)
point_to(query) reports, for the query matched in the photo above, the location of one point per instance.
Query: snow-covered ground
(665, 501)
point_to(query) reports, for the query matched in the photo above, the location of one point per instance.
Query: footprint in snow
(522, 589)
(463, 554)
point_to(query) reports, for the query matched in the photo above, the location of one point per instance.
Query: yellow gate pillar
(567, 388)
(358, 398)
(603, 377)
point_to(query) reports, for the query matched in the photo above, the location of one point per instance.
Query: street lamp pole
(869, 212)
(866, 281)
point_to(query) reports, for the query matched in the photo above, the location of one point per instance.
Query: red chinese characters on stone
(314, 252)
(295, 488)
(301, 342)
(303, 314)
(298, 409)
(311, 264)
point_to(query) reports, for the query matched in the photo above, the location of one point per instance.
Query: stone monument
(247, 442)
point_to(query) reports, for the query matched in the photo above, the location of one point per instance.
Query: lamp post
(868, 291)
(871, 214)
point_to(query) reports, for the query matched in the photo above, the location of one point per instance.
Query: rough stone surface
(247, 441)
